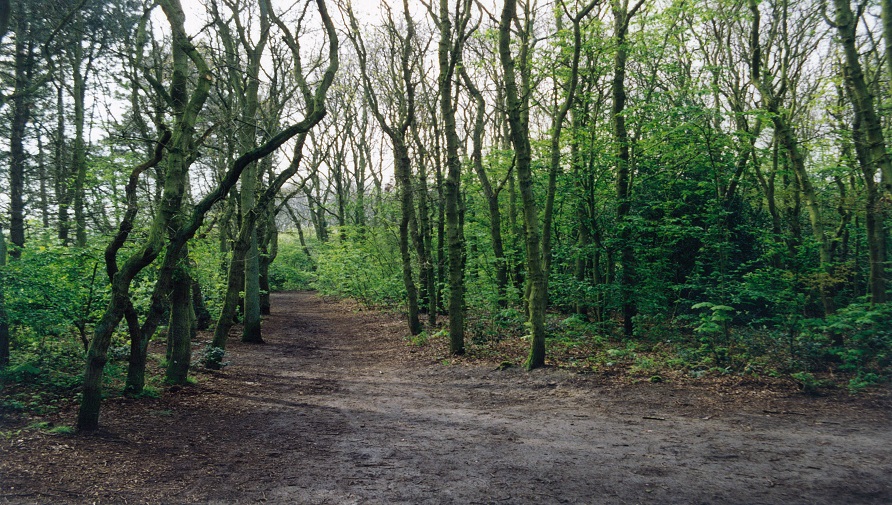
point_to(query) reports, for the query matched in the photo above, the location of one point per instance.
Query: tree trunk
(21, 114)
(873, 216)
(861, 97)
(4, 318)
(182, 319)
(622, 16)
(174, 186)
(427, 294)
(447, 56)
(269, 251)
(491, 195)
(520, 139)
(79, 154)
(235, 281)
(202, 314)
(560, 114)
(404, 179)
(63, 193)
(251, 330)
(397, 134)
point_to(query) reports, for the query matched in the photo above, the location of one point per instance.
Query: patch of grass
(149, 392)
(419, 340)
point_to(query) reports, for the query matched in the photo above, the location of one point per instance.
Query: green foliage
(212, 357)
(419, 340)
(53, 291)
(364, 267)
(53, 297)
(292, 269)
(809, 384)
(210, 269)
(41, 375)
(866, 333)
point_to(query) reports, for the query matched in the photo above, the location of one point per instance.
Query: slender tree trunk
(873, 216)
(235, 280)
(407, 211)
(4, 318)
(491, 195)
(79, 154)
(447, 57)
(424, 238)
(786, 137)
(63, 193)
(269, 252)
(622, 16)
(519, 128)
(251, 330)
(560, 114)
(861, 96)
(21, 114)
(397, 134)
(42, 175)
(202, 314)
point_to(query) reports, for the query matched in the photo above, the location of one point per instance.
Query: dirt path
(337, 409)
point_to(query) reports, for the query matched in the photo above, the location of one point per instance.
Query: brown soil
(337, 408)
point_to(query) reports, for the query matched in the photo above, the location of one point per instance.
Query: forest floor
(337, 408)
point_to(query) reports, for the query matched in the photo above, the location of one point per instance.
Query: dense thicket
(708, 180)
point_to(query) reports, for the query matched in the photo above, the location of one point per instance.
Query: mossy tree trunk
(397, 133)
(558, 117)
(772, 92)
(448, 55)
(187, 107)
(182, 324)
(314, 103)
(870, 142)
(622, 15)
(518, 121)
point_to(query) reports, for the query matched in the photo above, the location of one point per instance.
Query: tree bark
(21, 114)
(861, 96)
(398, 137)
(79, 152)
(182, 323)
(622, 15)
(874, 213)
(4, 318)
(491, 194)
(520, 139)
(448, 54)
(188, 106)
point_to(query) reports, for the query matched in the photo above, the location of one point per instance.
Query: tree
(314, 107)
(622, 16)
(245, 85)
(870, 144)
(187, 107)
(396, 128)
(792, 47)
(537, 280)
(4, 318)
(448, 55)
